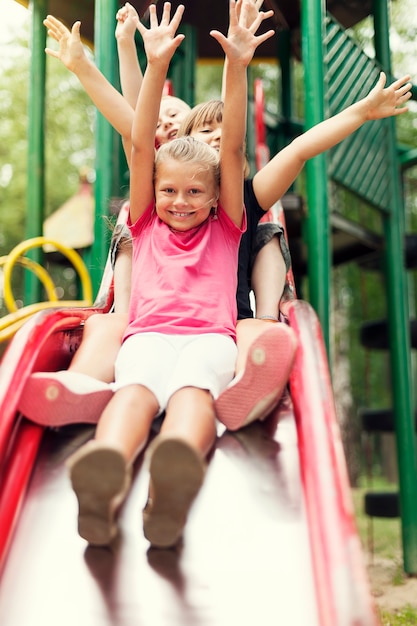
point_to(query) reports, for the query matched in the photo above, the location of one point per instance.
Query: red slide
(271, 537)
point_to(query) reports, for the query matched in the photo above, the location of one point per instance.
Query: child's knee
(271, 236)
(104, 323)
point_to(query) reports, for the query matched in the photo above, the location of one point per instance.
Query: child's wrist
(363, 109)
(125, 39)
(237, 63)
(80, 65)
(158, 63)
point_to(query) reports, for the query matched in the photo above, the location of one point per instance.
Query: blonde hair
(187, 150)
(206, 113)
(181, 104)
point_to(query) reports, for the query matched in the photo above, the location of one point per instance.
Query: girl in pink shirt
(186, 219)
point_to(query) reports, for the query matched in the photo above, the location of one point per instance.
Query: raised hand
(252, 9)
(241, 41)
(388, 102)
(160, 40)
(71, 50)
(126, 18)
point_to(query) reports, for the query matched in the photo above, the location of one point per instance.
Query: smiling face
(209, 132)
(184, 193)
(172, 111)
(204, 123)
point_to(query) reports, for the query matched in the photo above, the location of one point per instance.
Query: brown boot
(176, 474)
(101, 478)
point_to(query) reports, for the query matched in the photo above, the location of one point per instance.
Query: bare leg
(190, 415)
(101, 342)
(266, 347)
(268, 279)
(122, 279)
(103, 334)
(176, 464)
(80, 393)
(101, 470)
(127, 419)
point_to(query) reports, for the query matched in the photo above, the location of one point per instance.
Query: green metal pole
(284, 54)
(285, 132)
(36, 147)
(182, 72)
(106, 140)
(398, 323)
(318, 235)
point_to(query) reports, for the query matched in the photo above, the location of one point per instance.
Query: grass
(404, 617)
(379, 536)
(382, 538)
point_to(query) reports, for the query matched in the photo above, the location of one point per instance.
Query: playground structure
(330, 58)
(16, 317)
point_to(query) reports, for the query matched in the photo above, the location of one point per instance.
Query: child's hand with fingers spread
(126, 18)
(160, 40)
(241, 42)
(252, 10)
(71, 51)
(387, 102)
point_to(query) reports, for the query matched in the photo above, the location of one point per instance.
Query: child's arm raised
(106, 98)
(252, 12)
(239, 47)
(160, 43)
(129, 69)
(277, 176)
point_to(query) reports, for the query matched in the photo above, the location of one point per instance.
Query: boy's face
(171, 113)
(184, 194)
(210, 133)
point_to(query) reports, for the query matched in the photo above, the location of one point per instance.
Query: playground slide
(271, 538)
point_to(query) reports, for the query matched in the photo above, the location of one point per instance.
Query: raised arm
(239, 47)
(160, 43)
(277, 176)
(106, 98)
(252, 12)
(129, 69)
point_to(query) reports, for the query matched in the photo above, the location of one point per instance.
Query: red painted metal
(15, 478)
(168, 88)
(46, 342)
(343, 594)
(261, 147)
(342, 590)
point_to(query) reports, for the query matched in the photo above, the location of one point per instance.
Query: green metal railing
(364, 161)
(338, 73)
(36, 147)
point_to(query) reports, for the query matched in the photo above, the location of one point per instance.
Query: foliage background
(69, 128)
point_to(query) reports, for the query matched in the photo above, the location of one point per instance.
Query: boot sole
(100, 479)
(268, 366)
(176, 474)
(49, 402)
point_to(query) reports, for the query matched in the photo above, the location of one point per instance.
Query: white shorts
(165, 363)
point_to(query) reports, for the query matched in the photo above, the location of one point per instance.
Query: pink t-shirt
(184, 282)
